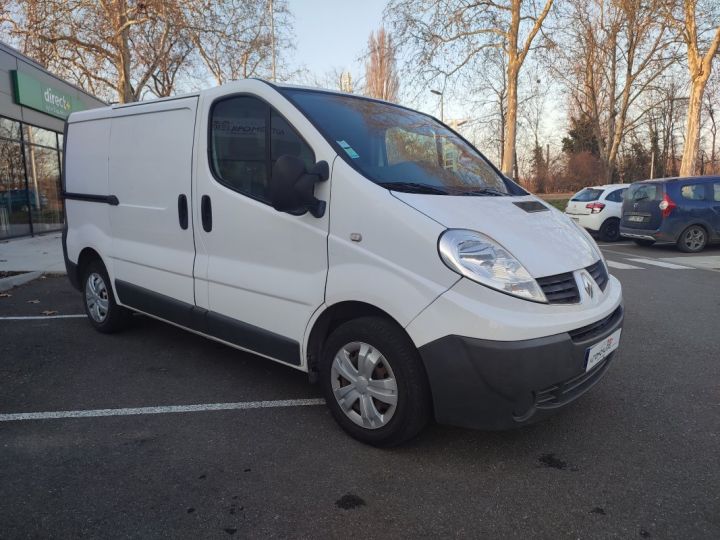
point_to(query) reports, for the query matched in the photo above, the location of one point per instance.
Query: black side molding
(210, 323)
(112, 200)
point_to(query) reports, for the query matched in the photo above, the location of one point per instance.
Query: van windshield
(401, 149)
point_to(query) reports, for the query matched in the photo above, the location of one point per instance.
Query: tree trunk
(125, 90)
(510, 117)
(692, 128)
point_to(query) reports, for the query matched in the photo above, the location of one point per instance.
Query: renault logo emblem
(587, 285)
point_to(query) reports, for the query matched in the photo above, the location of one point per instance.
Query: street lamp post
(439, 93)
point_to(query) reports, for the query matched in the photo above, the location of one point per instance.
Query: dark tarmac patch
(349, 501)
(549, 460)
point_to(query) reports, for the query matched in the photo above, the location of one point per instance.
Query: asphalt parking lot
(637, 457)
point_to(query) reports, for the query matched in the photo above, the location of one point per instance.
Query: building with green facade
(34, 105)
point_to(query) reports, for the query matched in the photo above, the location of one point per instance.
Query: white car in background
(598, 209)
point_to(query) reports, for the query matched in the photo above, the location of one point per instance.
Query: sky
(333, 33)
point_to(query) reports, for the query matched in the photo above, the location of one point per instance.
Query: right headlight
(482, 259)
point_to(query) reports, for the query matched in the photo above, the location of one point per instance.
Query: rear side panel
(86, 187)
(694, 206)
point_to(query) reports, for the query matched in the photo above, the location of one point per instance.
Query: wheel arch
(86, 256)
(705, 226)
(332, 317)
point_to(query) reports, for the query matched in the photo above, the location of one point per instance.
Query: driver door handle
(206, 213)
(183, 211)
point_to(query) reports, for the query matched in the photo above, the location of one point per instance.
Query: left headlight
(482, 259)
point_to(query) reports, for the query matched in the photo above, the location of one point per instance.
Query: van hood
(545, 242)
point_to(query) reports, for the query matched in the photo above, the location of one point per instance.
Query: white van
(359, 241)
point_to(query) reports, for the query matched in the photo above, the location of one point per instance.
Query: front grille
(560, 289)
(599, 274)
(566, 391)
(598, 327)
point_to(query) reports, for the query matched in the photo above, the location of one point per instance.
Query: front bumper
(485, 384)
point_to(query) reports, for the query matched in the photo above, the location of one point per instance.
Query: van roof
(708, 177)
(102, 112)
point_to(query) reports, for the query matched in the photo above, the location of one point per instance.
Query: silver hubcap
(364, 385)
(96, 297)
(694, 238)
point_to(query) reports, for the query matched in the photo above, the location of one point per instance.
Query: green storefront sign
(36, 94)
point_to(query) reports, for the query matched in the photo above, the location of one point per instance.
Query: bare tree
(236, 39)
(96, 44)
(699, 65)
(124, 49)
(443, 37)
(665, 105)
(612, 53)
(381, 78)
(712, 113)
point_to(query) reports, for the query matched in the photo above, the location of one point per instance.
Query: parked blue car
(684, 211)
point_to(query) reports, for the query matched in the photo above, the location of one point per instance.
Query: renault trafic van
(359, 241)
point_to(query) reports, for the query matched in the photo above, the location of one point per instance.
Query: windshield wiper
(482, 191)
(414, 187)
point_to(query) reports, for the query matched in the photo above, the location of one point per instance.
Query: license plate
(598, 352)
(636, 218)
(575, 219)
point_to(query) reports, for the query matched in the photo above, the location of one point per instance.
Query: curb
(20, 279)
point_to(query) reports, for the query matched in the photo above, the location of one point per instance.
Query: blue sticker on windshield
(348, 149)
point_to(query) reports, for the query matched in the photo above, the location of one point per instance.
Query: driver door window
(243, 150)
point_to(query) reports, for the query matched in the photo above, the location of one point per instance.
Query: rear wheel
(374, 382)
(692, 239)
(645, 243)
(610, 230)
(100, 306)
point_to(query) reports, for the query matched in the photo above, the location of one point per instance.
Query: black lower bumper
(655, 235)
(486, 384)
(70, 267)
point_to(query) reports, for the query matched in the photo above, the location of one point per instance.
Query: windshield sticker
(348, 149)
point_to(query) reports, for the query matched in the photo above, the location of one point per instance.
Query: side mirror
(292, 185)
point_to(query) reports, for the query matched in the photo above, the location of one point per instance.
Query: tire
(100, 306)
(391, 412)
(693, 239)
(644, 243)
(610, 230)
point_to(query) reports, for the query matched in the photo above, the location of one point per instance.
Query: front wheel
(693, 239)
(100, 305)
(374, 382)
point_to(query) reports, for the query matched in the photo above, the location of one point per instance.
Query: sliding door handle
(206, 213)
(183, 211)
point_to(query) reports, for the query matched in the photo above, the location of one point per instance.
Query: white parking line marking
(662, 264)
(623, 266)
(39, 317)
(94, 413)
